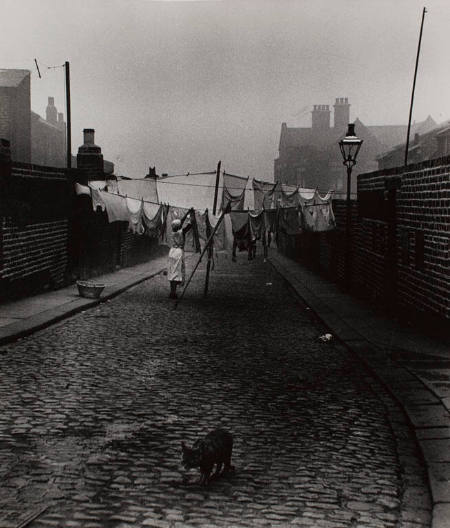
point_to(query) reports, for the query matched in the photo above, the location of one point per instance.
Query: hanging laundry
(306, 194)
(289, 220)
(97, 200)
(263, 194)
(289, 196)
(144, 188)
(152, 218)
(257, 225)
(116, 207)
(238, 220)
(233, 191)
(195, 235)
(318, 213)
(112, 186)
(271, 220)
(188, 191)
(99, 185)
(134, 207)
(201, 224)
(219, 237)
(82, 189)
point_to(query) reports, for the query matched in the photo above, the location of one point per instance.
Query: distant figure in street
(175, 264)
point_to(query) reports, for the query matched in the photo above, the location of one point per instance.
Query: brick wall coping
(393, 171)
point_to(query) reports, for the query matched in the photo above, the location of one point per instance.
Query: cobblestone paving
(93, 411)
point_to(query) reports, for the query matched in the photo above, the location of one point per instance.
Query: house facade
(310, 156)
(422, 147)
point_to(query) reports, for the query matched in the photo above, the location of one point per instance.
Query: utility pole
(414, 86)
(208, 231)
(69, 119)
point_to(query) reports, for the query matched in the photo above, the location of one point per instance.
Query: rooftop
(12, 78)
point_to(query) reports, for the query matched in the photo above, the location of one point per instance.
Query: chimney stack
(341, 113)
(321, 117)
(90, 157)
(51, 111)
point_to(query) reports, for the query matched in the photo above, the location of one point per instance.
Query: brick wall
(400, 249)
(423, 217)
(34, 228)
(35, 249)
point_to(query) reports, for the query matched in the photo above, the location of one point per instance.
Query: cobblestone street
(94, 409)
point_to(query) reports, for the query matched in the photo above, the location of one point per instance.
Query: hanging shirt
(289, 196)
(257, 225)
(97, 200)
(263, 194)
(233, 191)
(219, 236)
(271, 220)
(116, 207)
(238, 220)
(134, 207)
(318, 213)
(152, 218)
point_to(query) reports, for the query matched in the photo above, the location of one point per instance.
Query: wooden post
(414, 87)
(208, 231)
(69, 119)
(209, 240)
(216, 190)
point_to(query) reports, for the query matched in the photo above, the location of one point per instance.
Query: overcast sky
(181, 85)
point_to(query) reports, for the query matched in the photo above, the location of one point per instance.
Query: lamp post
(349, 146)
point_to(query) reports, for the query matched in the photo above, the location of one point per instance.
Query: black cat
(214, 448)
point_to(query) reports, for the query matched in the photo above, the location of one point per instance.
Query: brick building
(310, 157)
(32, 138)
(48, 137)
(15, 112)
(423, 147)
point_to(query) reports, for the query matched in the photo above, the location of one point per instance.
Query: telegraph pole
(69, 119)
(414, 86)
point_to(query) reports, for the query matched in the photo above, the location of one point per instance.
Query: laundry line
(224, 173)
(246, 211)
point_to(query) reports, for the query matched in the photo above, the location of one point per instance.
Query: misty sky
(181, 85)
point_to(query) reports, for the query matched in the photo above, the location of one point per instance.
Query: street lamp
(349, 146)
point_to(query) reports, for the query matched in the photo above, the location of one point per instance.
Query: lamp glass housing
(350, 146)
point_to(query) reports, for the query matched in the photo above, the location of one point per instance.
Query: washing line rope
(247, 211)
(213, 186)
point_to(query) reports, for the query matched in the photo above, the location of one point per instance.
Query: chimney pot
(88, 136)
(51, 101)
(341, 113)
